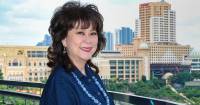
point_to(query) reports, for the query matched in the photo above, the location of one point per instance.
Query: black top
(63, 89)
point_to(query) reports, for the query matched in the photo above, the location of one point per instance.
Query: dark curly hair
(64, 19)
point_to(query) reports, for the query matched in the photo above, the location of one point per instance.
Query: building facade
(24, 63)
(158, 22)
(171, 58)
(163, 28)
(109, 41)
(168, 54)
(138, 48)
(157, 27)
(29, 63)
(137, 27)
(161, 57)
(116, 66)
(124, 35)
(195, 58)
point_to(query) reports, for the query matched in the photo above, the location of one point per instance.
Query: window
(120, 62)
(37, 53)
(15, 62)
(112, 62)
(30, 79)
(34, 63)
(29, 64)
(40, 64)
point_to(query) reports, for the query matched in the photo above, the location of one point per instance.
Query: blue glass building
(46, 41)
(124, 35)
(109, 41)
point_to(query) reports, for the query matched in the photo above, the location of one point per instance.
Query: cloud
(24, 21)
(28, 20)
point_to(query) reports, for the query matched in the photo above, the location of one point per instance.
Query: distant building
(161, 58)
(156, 26)
(29, 63)
(137, 27)
(137, 49)
(116, 37)
(195, 58)
(24, 63)
(157, 22)
(124, 35)
(169, 58)
(46, 41)
(109, 41)
(113, 65)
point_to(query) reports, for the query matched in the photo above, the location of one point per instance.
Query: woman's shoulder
(59, 70)
(59, 74)
(58, 86)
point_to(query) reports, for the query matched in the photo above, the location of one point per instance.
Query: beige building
(169, 53)
(137, 49)
(157, 22)
(113, 65)
(127, 50)
(158, 58)
(24, 63)
(131, 50)
(28, 63)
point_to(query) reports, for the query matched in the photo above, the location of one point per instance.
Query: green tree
(195, 75)
(118, 85)
(142, 88)
(196, 100)
(191, 91)
(181, 78)
(158, 83)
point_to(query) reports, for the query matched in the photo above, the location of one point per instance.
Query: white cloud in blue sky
(24, 22)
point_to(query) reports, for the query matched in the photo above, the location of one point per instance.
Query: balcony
(27, 93)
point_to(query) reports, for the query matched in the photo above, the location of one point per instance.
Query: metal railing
(120, 98)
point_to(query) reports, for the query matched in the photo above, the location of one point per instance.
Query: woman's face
(80, 43)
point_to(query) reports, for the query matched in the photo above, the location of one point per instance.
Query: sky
(25, 22)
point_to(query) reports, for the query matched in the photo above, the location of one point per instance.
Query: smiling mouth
(86, 49)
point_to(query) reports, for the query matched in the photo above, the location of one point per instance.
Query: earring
(65, 50)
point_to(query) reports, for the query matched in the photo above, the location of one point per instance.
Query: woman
(76, 32)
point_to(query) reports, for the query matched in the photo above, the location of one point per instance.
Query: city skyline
(25, 22)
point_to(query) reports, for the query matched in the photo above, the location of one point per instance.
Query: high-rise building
(116, 41)
(137, 27)
(109, 41)
(124, 35)
(46, 41)
(157, 26)
(158, 22)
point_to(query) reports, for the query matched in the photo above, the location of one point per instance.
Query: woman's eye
(93, 33)
(80, 33)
